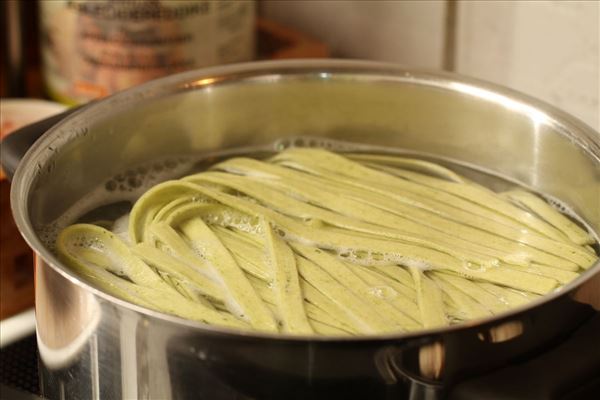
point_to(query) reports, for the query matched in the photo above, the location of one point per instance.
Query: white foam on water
(126, 186)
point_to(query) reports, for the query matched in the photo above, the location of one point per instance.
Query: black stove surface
(19, 369)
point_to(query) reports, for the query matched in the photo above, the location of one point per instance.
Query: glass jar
(94, 48)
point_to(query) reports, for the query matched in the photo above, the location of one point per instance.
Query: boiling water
(370, 230)
(115, 197)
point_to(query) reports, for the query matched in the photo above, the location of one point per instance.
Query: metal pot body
(95, 346)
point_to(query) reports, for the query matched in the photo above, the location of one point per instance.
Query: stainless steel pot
(93, 345)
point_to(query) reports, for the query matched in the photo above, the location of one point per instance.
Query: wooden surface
(275, 41)
(16, 262)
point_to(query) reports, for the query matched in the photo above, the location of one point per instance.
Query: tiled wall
(548, 49)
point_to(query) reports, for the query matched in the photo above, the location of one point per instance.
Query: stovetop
(19, 369)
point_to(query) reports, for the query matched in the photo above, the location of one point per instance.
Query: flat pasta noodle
(397, 319)
(388, 210)
(468, 306)
(413, 164)
(405, 299)
(472, 192)
(147, 290)
(246, 302)
(310, 242)
(547, 212)
(429, 298)
(473, 290)
(248, 257)
(337, 166)
(286, 282)
(296, 208)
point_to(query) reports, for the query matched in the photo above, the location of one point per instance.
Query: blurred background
(70, 52)
(547, 49)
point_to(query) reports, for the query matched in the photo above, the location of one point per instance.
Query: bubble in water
(517, 258)
(471, 266)
(282, 144)
(111, 186)
(315, 142)
(48, 234)
(556, 204)
(383, 292)
(170, 163)
(410, 262)
(298, 142)
(157, 167)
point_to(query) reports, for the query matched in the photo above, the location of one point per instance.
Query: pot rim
(564, 123)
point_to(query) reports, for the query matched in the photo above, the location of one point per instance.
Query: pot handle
(14, 146)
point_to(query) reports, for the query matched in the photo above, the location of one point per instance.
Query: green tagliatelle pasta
(314, 242)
